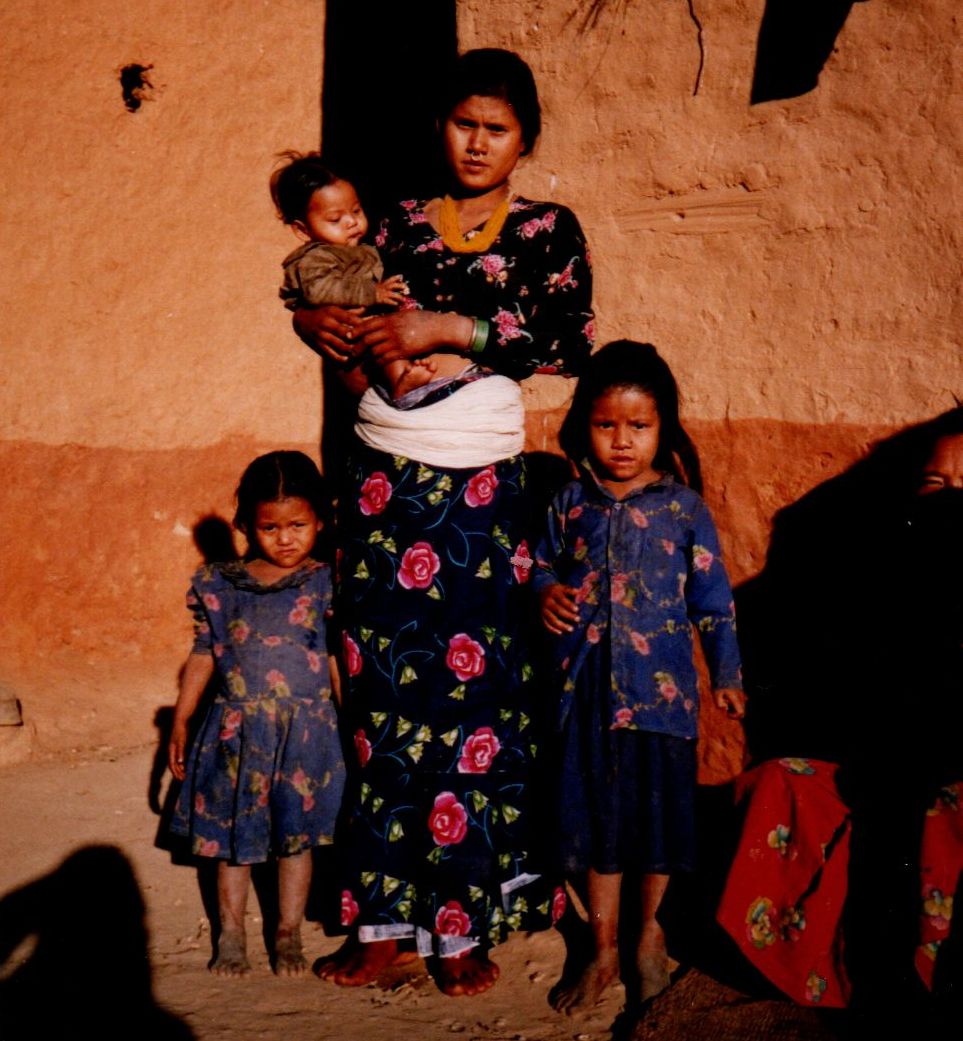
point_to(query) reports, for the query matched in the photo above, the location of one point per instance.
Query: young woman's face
(334, 215)
(285, 532)
(945, 466)
(483, 142)
(624, 436)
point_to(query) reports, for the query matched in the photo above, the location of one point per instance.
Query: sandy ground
(74, 961)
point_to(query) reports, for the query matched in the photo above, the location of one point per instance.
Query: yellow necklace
(451, 234)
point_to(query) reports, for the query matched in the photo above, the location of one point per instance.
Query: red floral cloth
(784, 896)
(941, 863)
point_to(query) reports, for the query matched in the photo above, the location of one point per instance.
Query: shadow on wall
(795, 40)
(851, 632)
(73, 956)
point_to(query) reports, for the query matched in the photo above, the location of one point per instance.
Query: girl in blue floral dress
(629, 566)
(265, 772)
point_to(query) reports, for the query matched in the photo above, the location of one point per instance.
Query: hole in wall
(135, 85)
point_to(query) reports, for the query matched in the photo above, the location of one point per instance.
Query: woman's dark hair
(490, 72)
(625, 364)
(293, 184)
(276, 476)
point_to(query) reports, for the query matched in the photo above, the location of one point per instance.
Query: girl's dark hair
(625, 364)
(490, 72)
(282, 475)
(293, 184)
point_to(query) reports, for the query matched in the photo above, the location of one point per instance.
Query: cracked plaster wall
(797, 262)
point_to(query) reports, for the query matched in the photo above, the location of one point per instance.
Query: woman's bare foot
(587, 990)
(354, 964)
(231, 957)
(472, 973)
(289, 957)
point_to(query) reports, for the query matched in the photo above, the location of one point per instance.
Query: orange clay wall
(797, 262)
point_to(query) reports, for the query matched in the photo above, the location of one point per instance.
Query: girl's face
(334, 215)
(624, 436)
(285, 532)
(483, 142)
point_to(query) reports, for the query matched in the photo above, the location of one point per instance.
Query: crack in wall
(701, 42)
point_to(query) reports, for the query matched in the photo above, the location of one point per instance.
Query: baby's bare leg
(294, 881)
(233, 883)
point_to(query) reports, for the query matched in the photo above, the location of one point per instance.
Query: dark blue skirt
(627, 797)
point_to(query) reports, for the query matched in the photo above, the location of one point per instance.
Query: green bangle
(479, 335)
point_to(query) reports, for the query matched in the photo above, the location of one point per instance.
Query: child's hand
(392, 290)
(559, 609)
(732, 701)
(176, 749)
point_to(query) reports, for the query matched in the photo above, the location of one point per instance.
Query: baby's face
(335, 216)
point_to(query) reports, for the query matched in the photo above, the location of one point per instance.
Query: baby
(333, 266)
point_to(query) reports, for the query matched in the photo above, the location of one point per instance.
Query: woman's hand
(732, 701)
(330, 330)
(559, 608)
(410, 334)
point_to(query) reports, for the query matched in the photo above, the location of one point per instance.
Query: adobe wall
(797, 262)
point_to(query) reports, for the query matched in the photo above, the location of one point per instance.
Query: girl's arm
(559, 609)
(710, 606)
(197, 673)
(335, 674)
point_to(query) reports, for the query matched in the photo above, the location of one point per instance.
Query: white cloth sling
(480, 423)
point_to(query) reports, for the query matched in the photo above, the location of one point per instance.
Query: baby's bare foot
(231, 957)
(289, 957)
(587, 990)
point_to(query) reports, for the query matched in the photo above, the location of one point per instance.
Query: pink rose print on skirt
(419, 565)
(448, 820)
(375, 493)
(363, 747)
(451, 920)
(623, 718)
(465, 658)
(559, 903)
(481, 486)
(352, 655)
(349, 907)
(478, 752)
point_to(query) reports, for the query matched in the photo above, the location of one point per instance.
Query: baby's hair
(293, 184)
(625, 364)
(276, 476)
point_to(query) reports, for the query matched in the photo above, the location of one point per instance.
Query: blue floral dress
(265, 773)
(441, 838)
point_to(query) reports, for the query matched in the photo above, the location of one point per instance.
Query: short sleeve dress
(265, 772)
(441, 840)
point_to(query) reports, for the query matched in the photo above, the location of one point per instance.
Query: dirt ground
(80, 870)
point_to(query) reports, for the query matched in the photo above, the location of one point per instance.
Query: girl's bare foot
(587, 990)
(289, 957)
(231, 957)
(653, 968)
(354, 964)
(470, 974)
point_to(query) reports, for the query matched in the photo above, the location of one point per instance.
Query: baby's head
(319, 205)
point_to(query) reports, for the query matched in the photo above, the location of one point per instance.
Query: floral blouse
(647, 569)
(534, 285)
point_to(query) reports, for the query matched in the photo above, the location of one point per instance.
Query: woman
(435, 556)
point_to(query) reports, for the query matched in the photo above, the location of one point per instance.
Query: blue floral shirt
(648, 571)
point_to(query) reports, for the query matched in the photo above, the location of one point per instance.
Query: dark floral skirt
(439, 837)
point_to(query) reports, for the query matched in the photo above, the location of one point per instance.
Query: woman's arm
(331, 331)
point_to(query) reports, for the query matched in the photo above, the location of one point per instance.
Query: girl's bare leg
(603, 969)
(294, 881)
(652, 960)
(233, 883)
